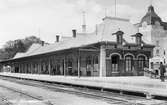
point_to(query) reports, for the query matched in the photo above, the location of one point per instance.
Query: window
(141, 61)
(138, 40)
(119, 39)
(114, 63)
(128, 62)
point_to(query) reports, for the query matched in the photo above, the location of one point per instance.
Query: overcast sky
(22, 18)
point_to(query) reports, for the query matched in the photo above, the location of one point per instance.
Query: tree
(20, 45)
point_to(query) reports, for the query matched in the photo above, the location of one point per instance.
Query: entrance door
(115, 63)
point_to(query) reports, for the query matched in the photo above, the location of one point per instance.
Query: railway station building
(115, 48)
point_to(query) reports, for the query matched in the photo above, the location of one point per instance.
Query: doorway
(115, 63)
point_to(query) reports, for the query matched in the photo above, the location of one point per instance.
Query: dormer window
(138, 39)
(119, 36)
(119, 39)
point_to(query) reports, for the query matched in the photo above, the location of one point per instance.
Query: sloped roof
(112, 24)
(103, 33)
(32, 49)
(151, 17)
(18, 55)
(63, 38)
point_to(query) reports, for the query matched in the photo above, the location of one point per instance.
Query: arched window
(141, 60)
(128, 63)
(115, 63)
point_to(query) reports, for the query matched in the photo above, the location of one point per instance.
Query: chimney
(57, 38)
(84, 23)
(119, 35)
(74, 33)
(42, 43)
(138, 38)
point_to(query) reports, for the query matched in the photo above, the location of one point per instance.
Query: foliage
(20, 45)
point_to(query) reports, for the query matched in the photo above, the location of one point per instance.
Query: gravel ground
(56, 98)
(9, 97)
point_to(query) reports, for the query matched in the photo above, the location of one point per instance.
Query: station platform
(138, 84)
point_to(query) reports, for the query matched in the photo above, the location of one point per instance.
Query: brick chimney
(74, 31)
(57, 38)
(42, 43)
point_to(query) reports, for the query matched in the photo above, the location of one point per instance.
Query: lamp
(142, 44)
(123, 43)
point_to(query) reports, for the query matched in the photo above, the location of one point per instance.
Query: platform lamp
(142, 45)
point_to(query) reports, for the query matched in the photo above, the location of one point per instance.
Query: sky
(48, 18)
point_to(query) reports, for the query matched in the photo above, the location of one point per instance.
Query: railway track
(110, 97)
(6, 101)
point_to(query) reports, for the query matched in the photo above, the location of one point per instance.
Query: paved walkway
(133, 83)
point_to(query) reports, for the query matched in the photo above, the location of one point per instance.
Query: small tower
(151, 25)
(84, 23)
(153, 28)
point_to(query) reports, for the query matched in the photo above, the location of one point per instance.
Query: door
(115, 63)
